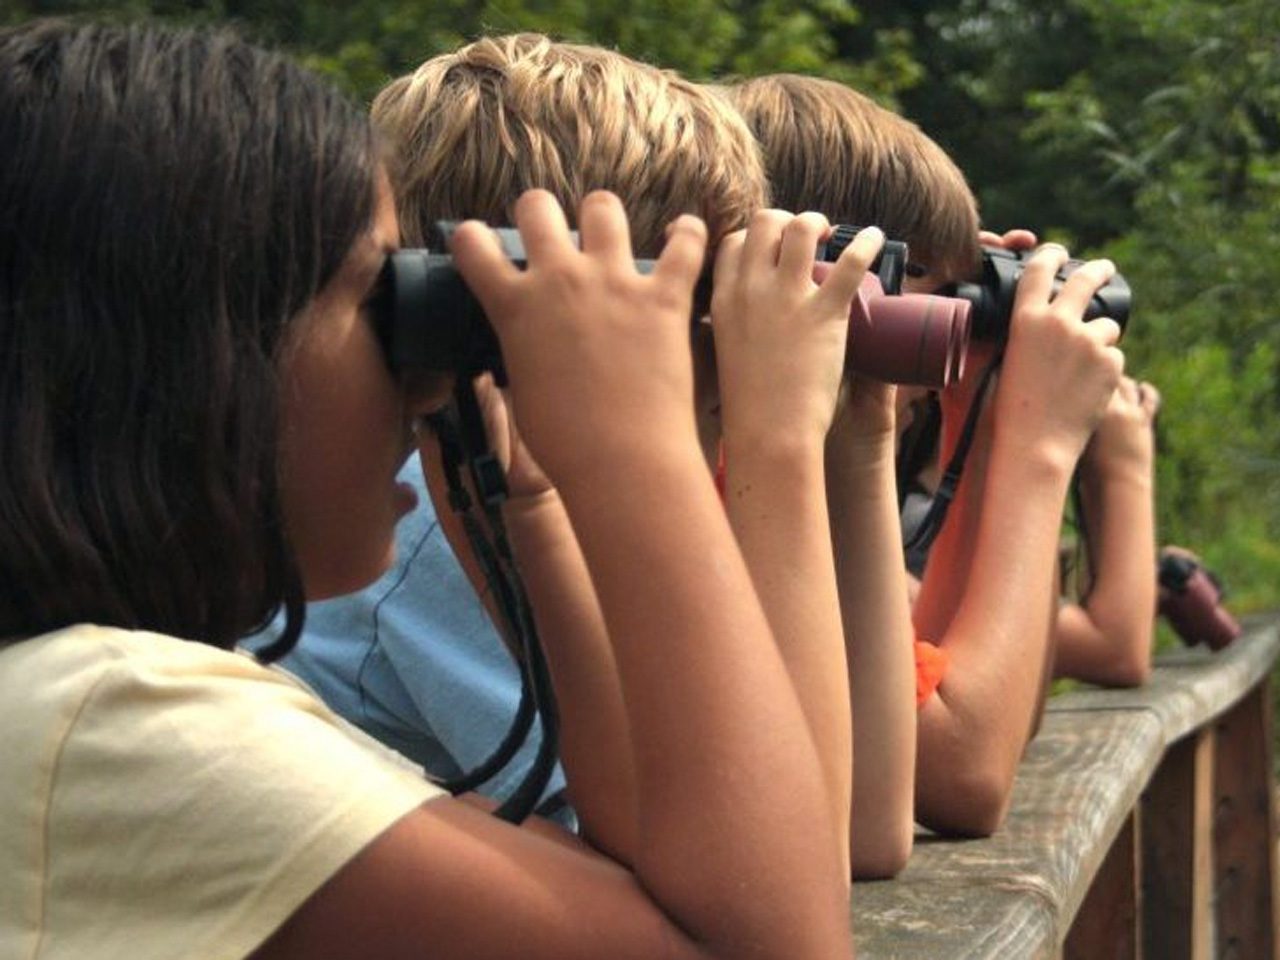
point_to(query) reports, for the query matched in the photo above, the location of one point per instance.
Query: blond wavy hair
(830, 148)
(471, 130)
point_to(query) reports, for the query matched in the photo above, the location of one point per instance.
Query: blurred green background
(1146, 130)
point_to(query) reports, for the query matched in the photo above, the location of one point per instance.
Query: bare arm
(1107, 638)
(725, 767)
(861, 488)
(780, 348)
(569, 623)
(994, 619)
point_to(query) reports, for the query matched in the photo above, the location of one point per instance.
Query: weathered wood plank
(1107, 923)
(1244, 832)
(1189, 686)
(1015, 895)
(1177, 876)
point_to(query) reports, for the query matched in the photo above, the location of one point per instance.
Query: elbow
(882, 854)
(970, 804)
(1130, 672)
(1130, 667)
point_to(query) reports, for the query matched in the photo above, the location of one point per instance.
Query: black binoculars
(992, 294)
(427, 319)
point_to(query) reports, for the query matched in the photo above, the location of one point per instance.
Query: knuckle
(770, 217)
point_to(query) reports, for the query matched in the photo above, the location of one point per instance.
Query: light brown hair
(829, 148)
(471, 130)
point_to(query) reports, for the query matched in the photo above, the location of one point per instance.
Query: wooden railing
(1142, 825)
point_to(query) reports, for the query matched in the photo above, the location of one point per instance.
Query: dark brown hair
(170, 198)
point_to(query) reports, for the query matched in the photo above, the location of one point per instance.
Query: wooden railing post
(1177, 869)
(1244, 831)
(1107, 922)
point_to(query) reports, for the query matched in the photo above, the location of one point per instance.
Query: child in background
(234, 447)
(989, 594)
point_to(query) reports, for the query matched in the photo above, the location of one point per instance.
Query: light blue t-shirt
(415, 661)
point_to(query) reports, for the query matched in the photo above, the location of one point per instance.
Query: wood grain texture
(1107, 924)
(1244, 812)
(1177, 870)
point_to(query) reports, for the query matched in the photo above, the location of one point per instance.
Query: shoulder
(206, 795)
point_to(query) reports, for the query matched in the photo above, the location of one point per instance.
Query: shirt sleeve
(195, 804)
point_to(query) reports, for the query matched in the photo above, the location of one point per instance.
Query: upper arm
(449, 881)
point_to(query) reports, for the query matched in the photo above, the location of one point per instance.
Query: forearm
(595, 745)
(695, 653)
(997, 642)
(1107, 638)
(878, 640)
(776, 503)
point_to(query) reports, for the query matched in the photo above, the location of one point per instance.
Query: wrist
(751, 448)
(1040, 459)
(617, 463)
(860, 455)
(1130, 477)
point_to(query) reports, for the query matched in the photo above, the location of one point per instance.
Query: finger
(800, 241)
(681, 259)
(543, 226)
(1130, 391)
(1036, 282)
(484, 265)
(1019, 239)
(1052, 245)
(602, 223)
(764, 239)
(1150, 398)
(1084, 282)
(840, 285)
(1104, 330)
(728, 261)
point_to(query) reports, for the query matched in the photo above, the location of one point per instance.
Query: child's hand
(597, 353)
(1016, 239)
(525, 479)
(864, 428)
(1059, 373)
(959, 395)
(780, 337)
(1124, 440)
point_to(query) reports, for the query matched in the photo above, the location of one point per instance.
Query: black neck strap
(931, 526)
(464, 438)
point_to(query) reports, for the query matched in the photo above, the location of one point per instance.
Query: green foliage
(1147, 129)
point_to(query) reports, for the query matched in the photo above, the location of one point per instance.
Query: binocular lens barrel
(916, 339)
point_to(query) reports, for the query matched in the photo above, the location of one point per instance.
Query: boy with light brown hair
(468, 133)
(984, 615)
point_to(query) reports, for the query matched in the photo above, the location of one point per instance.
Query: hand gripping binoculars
(428, 321)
